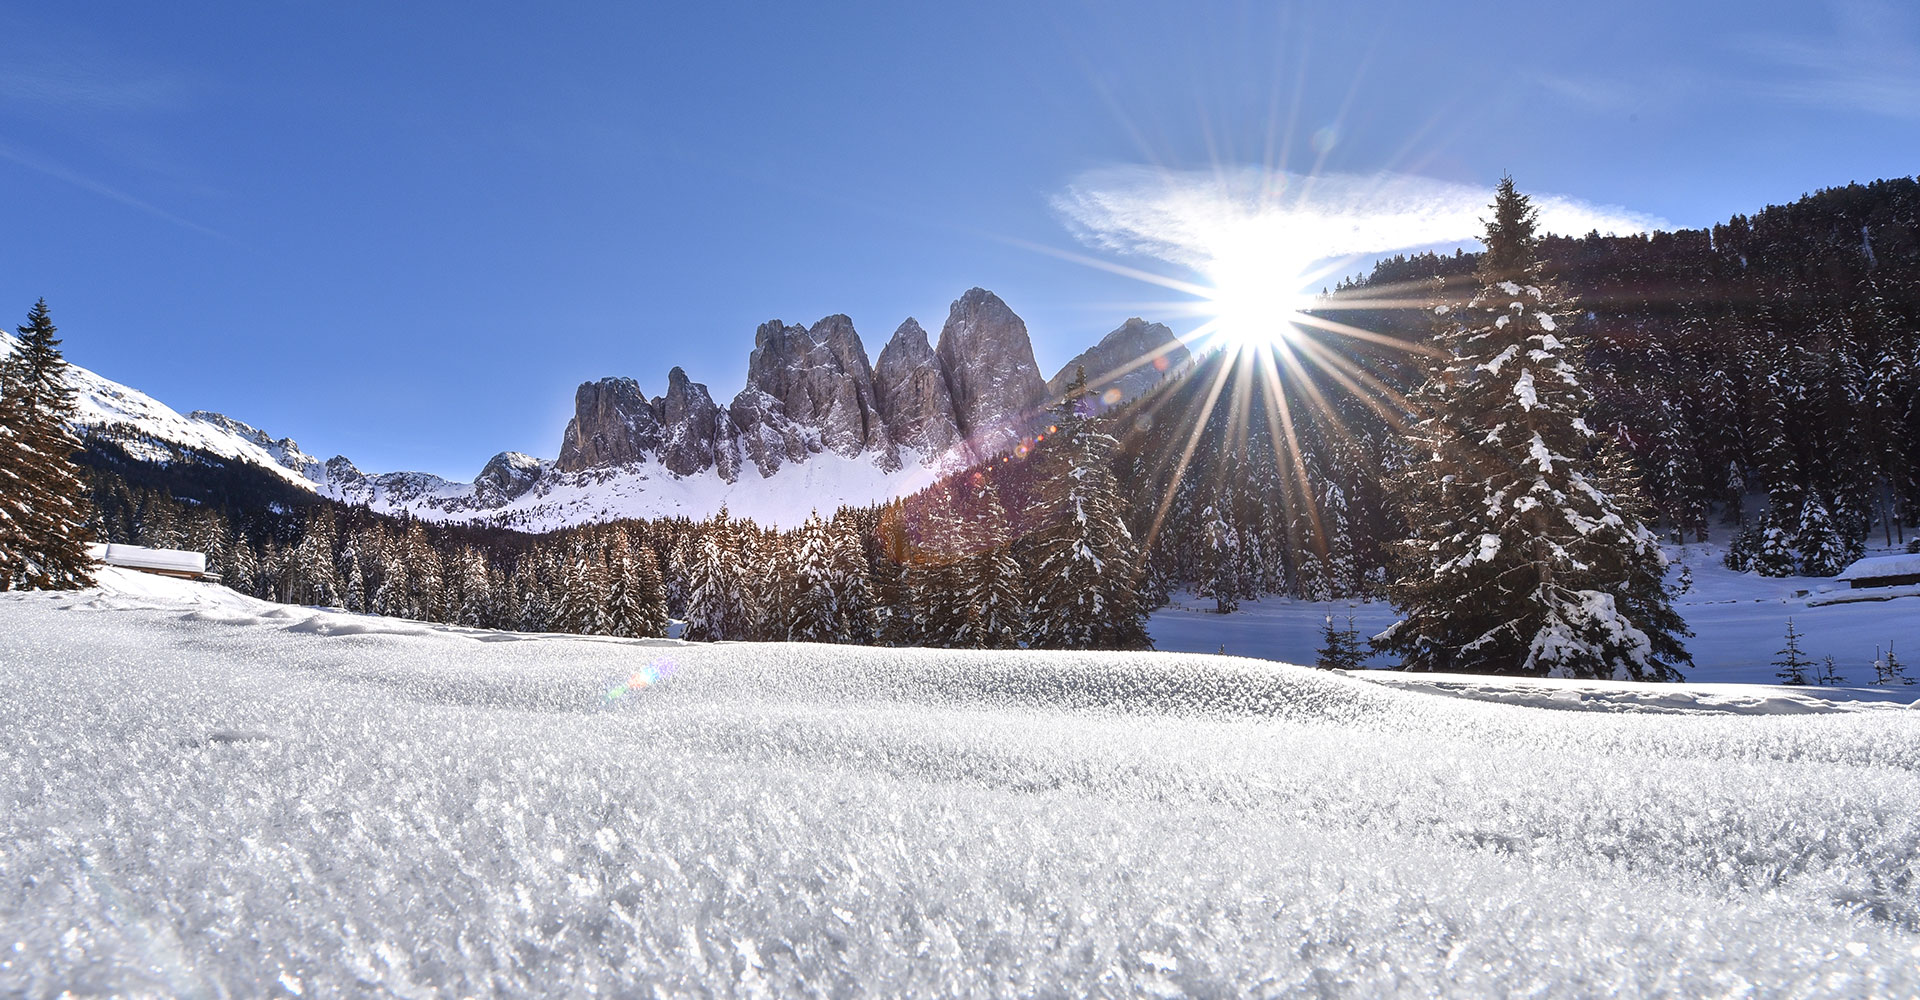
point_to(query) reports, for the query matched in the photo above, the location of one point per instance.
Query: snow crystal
(457, 812)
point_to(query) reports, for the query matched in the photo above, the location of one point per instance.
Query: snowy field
(202, 795)
(1738, 621)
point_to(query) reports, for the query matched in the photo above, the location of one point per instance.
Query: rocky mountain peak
(689, 423)
(284, 450)
(910, 391)
(987, 359)
(1125, 363)
(613, 424)
(505, 477)
(821, 379)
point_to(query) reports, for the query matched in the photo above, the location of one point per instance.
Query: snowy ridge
(129, 415)
(461, 812)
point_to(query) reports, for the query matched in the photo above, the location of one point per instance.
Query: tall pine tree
(1085, 562)
(1526, 554)
(44, 513)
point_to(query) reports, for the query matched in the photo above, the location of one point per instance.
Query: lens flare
(641, 679)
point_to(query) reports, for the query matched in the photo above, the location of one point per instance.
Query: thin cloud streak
(1196, 218)
(85, 183)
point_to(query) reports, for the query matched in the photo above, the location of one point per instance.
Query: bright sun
(1255, 297)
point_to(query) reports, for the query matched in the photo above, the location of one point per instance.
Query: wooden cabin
(1883, 571)
(163, 562)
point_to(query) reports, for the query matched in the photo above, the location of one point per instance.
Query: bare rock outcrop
(987, 359)
(910, 392)
(1125, 363)
(613, 424)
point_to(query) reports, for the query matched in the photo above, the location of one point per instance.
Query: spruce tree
(1084, 560)
(1822, 551)
(855, 618)
(1792, 663)
(649, 594)
(716, 607)
(990, 582)
(1773, 554)
(45, 515)
(1525, 554)
(813, 584)
(1888, 670)
(475, 590)
(1339, 647)
(1222, 560)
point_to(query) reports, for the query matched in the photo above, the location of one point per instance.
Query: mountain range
(818, 424)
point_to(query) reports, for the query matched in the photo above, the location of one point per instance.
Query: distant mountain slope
(142, 425)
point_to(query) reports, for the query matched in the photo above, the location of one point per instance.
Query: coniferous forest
(1761, 379)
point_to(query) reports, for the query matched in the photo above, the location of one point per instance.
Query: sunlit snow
(204, 795)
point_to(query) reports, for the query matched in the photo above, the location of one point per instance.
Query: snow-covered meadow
(205, 795)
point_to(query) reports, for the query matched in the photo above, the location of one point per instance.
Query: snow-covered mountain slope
(547, 498)
(141, 423)
(207, 795)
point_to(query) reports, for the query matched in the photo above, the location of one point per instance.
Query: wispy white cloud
(1197, 218)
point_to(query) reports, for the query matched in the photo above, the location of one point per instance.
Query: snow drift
(205, 795)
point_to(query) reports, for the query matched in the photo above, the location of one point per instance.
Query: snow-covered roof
(1877, 566)
(141, 557)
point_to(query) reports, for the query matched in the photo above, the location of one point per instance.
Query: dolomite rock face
(821, 378)
(1131, 359)
(689, 424)
(613, 424)
(991, 376)
(910, 390)
(764, 435)
(811, 390)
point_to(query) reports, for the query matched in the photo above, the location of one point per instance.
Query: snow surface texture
(1738, 620)
(206, 795)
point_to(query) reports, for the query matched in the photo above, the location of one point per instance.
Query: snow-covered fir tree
(1084, 560)
(812, 584)
(1221, 559)
(990, 584)
(1519, 560)
(44, 514)
(716, 602)
(1888, 670)
(1340, 646)
(854, 616)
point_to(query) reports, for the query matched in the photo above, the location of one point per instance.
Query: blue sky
(405, 232)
